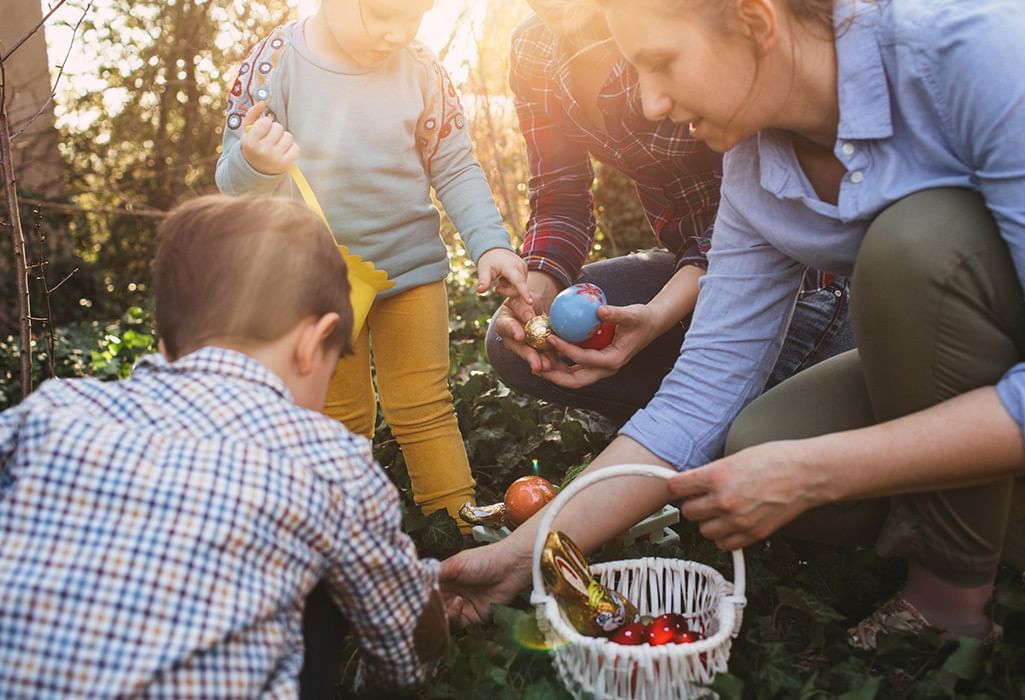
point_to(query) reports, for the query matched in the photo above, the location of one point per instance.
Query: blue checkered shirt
(158, 537)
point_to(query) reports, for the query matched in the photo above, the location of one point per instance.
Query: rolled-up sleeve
(985, 119)
(742, 314)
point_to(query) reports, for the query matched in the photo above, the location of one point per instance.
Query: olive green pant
(937, 311)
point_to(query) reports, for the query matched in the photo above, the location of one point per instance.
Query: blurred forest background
(117, 116)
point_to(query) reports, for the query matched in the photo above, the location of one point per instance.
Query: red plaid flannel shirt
(677, 177)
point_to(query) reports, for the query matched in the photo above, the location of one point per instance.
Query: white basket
(594, 667)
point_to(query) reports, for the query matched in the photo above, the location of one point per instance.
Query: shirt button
(857, 176)
(847, 148)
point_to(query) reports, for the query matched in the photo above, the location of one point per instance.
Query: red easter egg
(526, 496)
(664, 628)
(632, 634)
(601, 337)
(688, 637)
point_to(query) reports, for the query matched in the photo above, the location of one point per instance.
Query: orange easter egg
(526, 496)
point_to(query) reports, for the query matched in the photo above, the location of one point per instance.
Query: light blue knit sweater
(373, 143)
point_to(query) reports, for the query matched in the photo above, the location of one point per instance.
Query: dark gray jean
(820, 328)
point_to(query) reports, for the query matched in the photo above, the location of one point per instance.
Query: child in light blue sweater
(374, 123)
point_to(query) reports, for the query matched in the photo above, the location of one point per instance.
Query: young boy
(160, 534)
(380, 125)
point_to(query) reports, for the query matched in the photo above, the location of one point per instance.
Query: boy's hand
(266, 146)
(508, 269)
(431, 634)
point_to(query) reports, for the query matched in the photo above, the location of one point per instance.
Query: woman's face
(693, 72)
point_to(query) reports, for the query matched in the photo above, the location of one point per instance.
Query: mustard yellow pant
(408, 334)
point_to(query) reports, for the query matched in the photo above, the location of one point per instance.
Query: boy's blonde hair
(246, 269)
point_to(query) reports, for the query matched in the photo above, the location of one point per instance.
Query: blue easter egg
(574, 312)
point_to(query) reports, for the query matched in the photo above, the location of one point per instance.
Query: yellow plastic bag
(365, 280)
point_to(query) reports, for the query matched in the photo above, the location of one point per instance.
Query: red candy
(631, 634)
(601, 337)
(688, 637)
(664, 628)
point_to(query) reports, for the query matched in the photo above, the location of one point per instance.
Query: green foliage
(145, 135)
(801, 598)
(83, 349)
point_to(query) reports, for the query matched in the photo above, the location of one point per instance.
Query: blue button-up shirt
(158, 536)
(930, 95)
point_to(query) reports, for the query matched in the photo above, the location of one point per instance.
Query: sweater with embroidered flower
(373, 143)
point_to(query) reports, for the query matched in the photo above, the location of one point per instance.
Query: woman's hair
(812, 12)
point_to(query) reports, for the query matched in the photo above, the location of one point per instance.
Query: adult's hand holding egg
(574, 315)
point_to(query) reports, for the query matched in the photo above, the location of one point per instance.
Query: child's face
(370, 31)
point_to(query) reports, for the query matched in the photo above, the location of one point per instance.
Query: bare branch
(18, 244)
(51, 290)
(72, 209)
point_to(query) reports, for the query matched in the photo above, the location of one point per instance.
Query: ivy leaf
(543, 690)
(777, 678)
(966, 661)
(804, 602)
(440, 538)
(728, 686)
(868, 690)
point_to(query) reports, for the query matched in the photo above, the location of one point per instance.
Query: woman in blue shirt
(880, 139)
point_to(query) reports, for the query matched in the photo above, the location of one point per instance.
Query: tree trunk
(36, 158)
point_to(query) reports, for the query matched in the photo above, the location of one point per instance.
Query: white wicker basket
(594, 667)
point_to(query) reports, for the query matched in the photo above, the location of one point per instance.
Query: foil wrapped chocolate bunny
(589, 606)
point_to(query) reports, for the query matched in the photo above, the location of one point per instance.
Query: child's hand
(508, 269)
(265, 144)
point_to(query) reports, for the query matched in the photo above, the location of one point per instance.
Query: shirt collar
(864, 95)
(221, 362)
(862, 91)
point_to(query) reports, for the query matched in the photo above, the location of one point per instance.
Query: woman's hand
(744, 498)
(516, 311)
(636, 327)
(475, 578)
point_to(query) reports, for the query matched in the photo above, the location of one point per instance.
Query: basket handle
(581, 483)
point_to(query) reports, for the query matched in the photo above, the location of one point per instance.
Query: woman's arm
(747, 496)
(475, 579)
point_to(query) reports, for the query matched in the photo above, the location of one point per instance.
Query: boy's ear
(312, 339)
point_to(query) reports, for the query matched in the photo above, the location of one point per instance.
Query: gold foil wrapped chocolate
(489, 516)
(537, 331)
(589, 606)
